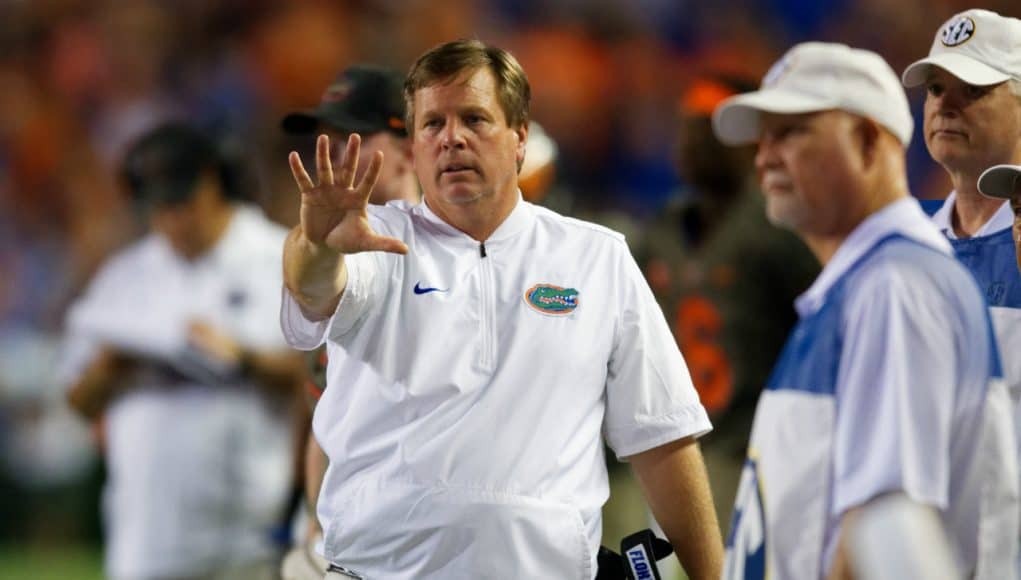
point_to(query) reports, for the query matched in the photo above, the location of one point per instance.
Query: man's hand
(333, 223)
(107, 376)
(333, 212)
(276, 372)
(214, 343)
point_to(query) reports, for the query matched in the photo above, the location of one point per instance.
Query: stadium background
(80, 78)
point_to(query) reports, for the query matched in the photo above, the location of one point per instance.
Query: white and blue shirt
(470, 389)
(886, 385)
(990, 255)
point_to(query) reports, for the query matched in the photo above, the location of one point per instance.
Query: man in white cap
(884, 386)
(973, 122)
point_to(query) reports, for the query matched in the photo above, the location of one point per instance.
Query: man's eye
(975, 92)
(785, 131)
(775, 134)
(935, 89)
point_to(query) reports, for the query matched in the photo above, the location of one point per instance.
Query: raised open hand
(333, 212)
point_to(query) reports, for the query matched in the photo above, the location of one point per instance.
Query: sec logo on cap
(958, 31)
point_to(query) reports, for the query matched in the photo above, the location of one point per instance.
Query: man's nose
(948, 102)
(765, 155)
(453, 135)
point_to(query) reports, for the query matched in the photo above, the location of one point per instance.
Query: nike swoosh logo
(427, 289)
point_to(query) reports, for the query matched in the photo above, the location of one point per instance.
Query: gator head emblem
(550, 299)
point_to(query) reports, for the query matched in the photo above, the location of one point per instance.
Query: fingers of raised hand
(396, 246)
(385, 244)
(337, 190)
(346, 173)
(371, 175)
(324, 165)
(359, 237)
(301, 177)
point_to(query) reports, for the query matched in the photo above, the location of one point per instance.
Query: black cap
(163, 165)
(363, 99)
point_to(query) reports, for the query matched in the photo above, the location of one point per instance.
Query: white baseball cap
(819, 76)
(977, 46)
(1001, 181)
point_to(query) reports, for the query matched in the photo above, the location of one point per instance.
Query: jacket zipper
(485, 278)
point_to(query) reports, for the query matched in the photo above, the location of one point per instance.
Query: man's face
(177, 223)
(396, 177)
(464, 151)
(804, 164)
(186, 224)
(969, 128)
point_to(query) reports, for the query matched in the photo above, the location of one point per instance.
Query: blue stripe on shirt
(992, 260)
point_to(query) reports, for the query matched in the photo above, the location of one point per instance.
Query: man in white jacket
(481, 348)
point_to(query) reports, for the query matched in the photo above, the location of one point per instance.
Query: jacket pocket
(405, 529)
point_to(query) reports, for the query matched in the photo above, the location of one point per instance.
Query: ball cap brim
(1001, 181)
(737, 119)
(362, 99)
(961, 66)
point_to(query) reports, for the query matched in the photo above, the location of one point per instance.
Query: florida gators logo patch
(550, 299)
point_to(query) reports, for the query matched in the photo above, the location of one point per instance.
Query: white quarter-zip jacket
(469, 391)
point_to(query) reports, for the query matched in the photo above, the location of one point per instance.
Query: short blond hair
(448, 60)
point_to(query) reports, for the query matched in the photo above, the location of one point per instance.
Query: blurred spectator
(175, 346)
(539, 170)
(725, 277)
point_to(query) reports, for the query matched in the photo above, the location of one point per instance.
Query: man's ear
(522, 133)
(867, 133)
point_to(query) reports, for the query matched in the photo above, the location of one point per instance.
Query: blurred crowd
(80, 79)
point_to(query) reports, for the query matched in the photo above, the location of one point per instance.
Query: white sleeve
(650, 399)
(78, 348)
(111, 312)
(359, 294)
(76, 353)
(895, 392)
